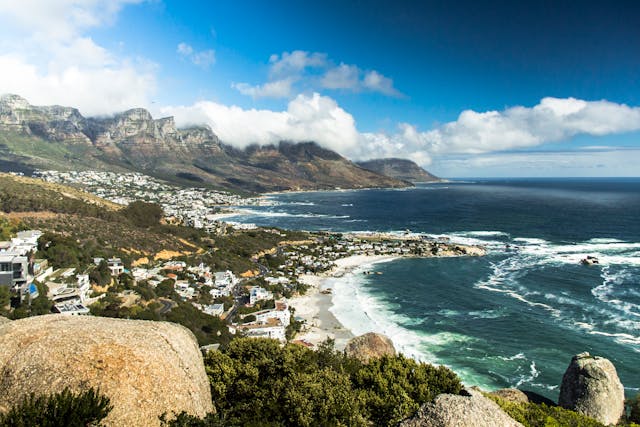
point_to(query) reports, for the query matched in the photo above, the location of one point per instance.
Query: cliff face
(402, 169)
(58, 137)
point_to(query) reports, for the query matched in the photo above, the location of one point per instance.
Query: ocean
(515, 317)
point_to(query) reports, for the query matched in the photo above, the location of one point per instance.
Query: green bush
(634, 406)
(257, 380)
(66, 408)
(541, 415)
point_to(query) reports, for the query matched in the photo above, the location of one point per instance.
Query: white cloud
(47, 58)
(184, 49)
(313, 70)
(307, 118)
(552, 120)
(539, 164)
(94, 91)
(342, 77)
(204, 58)
(58, 20)
(276, 89)
(292, 63)
(379, 83)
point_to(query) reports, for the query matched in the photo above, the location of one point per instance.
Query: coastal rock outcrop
(370, 346)
(145, 368)
(449, 410)
(591, 387)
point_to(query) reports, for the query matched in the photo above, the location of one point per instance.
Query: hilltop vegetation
(258, 382)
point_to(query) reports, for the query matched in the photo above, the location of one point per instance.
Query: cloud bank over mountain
(48, 56)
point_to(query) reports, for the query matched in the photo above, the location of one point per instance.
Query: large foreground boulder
(450, 410)
(145, 368)
(591, 387)
(370, 346)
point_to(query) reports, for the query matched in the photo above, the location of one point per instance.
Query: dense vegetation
(9, 227)
(26, 195)
(162, 304)
(142, 214)
(541, 415)
(234, 251)
(258, 382)
(66, 409)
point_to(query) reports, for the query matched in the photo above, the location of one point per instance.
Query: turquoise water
(514, 317)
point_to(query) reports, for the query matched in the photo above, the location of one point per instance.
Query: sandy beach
(314, 306)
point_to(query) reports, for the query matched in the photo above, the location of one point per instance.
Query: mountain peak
(13, 101)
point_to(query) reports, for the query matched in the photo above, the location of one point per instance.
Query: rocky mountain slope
(56, 137)
(402, 169)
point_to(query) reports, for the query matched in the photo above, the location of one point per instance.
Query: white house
(71, 308)
(280, 312)
(214, 309)
(115, 266)
(183, 289)
(273, 328)
(257, 293)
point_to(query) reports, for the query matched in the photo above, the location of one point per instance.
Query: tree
(166, 288)
(101, 275)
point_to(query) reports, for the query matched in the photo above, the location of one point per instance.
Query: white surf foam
(533, 374)
(361, 312)
(277, 214)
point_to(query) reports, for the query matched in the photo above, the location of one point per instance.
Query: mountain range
(56, 137)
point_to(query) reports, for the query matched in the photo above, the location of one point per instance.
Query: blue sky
(502, 88)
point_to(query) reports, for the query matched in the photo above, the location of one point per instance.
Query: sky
(465, 89)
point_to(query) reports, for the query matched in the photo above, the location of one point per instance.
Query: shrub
(634, 406)
(255, 380)
(61, 409)
(541, 415)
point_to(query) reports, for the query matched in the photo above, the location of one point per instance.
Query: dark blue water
(516, 316)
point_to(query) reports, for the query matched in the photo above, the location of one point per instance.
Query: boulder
(511, 395)
(4, 320)
(591, 387)
(450, 410)
(370, 346)
(145, 368)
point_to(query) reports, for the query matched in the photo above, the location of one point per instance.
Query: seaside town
(259, 302)
(194, 207)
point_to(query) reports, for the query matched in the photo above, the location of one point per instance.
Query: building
(14, 271)
(258, 293)
(115, 266)
(214, 309)
(184, 289)
(280, 312)
(71, 308)
(273, 328)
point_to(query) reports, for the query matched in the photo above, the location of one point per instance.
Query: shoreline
(315, 307)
